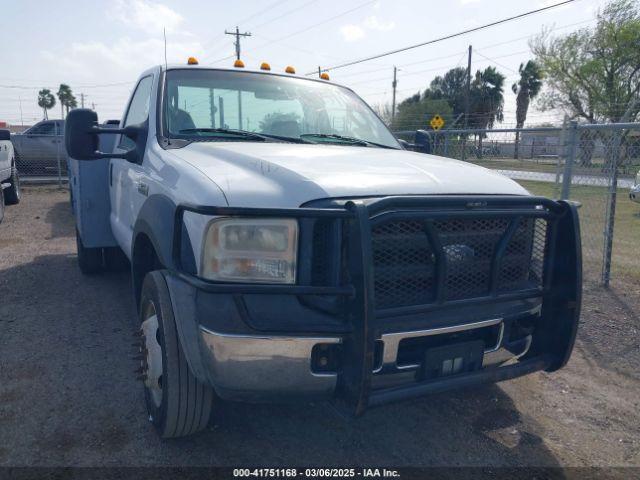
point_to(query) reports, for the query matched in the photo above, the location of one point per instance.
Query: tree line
(46, 100)
(591, 75)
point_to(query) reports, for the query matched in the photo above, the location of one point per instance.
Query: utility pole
(467, 96)
(93, 106)
(82, 100)
(394, 84)
(20, 101)
(319, 71)
(467, 100)
(237, 34)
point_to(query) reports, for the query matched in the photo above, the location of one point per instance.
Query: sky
(100, 47)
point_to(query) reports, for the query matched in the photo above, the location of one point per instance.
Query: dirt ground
(68, 394)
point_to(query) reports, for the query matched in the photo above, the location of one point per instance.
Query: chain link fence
(592, 164)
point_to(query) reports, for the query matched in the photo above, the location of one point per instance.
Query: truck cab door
(39, 148)
(128, 188)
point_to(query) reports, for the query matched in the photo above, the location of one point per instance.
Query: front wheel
(178, 404)
(12, 194)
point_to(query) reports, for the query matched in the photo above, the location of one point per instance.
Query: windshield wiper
(225, 131)
(346, 139)
(246, 134)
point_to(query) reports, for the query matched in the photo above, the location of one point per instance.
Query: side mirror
(81, 137)
(423, 141)
(406, 145)
(5, 135)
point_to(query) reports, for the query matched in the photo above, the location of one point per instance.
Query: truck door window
(46, 128)
(138, 109)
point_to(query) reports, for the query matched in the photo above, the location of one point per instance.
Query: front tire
(178, 404)
(12, 194)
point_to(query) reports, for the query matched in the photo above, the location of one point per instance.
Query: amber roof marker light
(265, 66)
(192, 61)
(238, 64)
(324, 76)
(290, 69)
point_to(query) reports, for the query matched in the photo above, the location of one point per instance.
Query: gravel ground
(68, 396)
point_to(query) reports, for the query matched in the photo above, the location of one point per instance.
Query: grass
(547, 166)
(626, 238)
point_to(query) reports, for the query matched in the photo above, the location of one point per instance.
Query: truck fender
(156, 222)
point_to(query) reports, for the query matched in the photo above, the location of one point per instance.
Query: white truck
(9, 180)
(284, 246)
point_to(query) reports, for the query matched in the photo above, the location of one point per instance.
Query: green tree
(486, 101)
(46, 101)
(67, 99)
(450, 87)
(415, 112)
(593, 74)
(526, 89)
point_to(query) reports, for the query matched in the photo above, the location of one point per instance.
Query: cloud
(96, 62)
(354, 32)
(146, 15)
(372, 23)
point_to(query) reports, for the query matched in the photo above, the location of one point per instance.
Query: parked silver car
(40, 149)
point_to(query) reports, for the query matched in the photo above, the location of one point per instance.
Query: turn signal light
(238, 64)
(290, 69)
(192, 61)
(265, 66)
(324, 76)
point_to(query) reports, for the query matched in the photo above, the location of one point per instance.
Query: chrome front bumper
(254, 368)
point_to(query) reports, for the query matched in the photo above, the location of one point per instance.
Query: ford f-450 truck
(283, 245)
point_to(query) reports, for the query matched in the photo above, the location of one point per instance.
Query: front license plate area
(452, 359)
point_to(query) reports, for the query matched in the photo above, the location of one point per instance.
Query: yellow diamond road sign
(437, 122)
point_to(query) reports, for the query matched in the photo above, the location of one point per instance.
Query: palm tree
(46, 100)
(71, 102)
(67, 100)
(487, 101)
(526, 89)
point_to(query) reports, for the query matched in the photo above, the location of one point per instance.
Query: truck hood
(288, 175)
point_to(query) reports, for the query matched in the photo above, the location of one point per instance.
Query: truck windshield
(207, 104)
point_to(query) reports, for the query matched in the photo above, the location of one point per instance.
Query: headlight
(250, 250)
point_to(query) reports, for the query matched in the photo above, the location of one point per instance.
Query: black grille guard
(560, 291)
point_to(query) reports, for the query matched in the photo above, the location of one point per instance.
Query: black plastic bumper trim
(381, 397)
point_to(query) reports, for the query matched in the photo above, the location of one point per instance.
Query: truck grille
(405, 268)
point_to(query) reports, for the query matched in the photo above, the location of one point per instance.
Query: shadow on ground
(68, 396)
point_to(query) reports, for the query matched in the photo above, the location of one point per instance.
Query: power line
(462, 53)
(237, 34)
(346, 12)
(285, 14)
(446, 37)
(243, 21)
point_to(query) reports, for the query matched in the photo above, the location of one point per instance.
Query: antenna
(164, 33)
